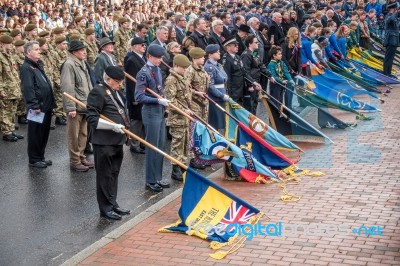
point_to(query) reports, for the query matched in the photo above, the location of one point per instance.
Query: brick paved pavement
(361, 187)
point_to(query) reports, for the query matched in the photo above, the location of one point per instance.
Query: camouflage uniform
(121, 39)
(59, 59)
(199, 81)
(19, 60)
(10, 86)
(178, 92)
(92, 52)
(48, 64)
(78, 31)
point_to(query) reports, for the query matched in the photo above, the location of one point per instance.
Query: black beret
(252, 6)
(137, 40)
(202, 9)
(392, 5)
(209, 6)
(115, 72)
(156, 50)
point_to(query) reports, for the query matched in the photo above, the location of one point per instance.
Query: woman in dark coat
(291, 52)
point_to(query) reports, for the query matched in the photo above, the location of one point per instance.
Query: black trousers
(38, 135)
(388, 60)
(107, 161)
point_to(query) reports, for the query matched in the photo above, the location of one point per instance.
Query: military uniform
(78, 31)
(392, 39)
(121, 39)
(10, 92)
(92, 52)
(153, 117)
(216, 91)
(21, 107)
(178, 91)
(199, 81)
(59, 58)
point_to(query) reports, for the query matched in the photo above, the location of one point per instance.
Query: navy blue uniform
(153, 118)
(216, 91)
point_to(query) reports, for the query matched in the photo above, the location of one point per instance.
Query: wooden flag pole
(130, 134)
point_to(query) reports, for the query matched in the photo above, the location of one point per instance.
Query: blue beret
(229, 6)
(212, 48)
(252, 6)
(209, 6)
(202, 8)
(156, 50)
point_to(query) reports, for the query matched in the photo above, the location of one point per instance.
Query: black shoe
(22, 120)
(47, 162)
(176, 173)
(154, 187)
(16, 127)
(10, 137)
(163, 184)
(61, 121)
(39, 164)
(111, 215)
(17, 136)
(195, 165)
(136, 150)
(121, 211)
(52, 127)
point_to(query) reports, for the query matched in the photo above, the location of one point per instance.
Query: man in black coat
(39, 99)
(108, 139)
(180, 25)
(132, 66)
(241, 34)
(216, 35)
(198, 36)
(276, 30)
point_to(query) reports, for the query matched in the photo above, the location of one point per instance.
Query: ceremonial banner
(210, 148)
(369, 72)
(210, 212)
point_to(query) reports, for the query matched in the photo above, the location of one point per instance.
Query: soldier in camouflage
(80, 27)
(48, 63)
(16, 34)
(199, 81)
(178, 91)
(10, 92)
(121, 39)
(19, 58)
(31, 32)
(60, 57)
(92, 50)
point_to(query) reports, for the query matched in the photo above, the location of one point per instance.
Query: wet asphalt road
(49, 215)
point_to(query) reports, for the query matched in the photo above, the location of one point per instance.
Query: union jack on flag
(237, 214)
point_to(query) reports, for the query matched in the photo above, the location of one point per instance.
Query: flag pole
(297, 116)
(130, 134)
(177, 108)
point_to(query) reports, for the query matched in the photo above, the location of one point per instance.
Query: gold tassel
(219, 255)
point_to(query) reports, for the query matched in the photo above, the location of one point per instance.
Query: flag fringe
(219, 255)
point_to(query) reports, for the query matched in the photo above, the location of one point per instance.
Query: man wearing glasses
(180, 24)
(216, 35)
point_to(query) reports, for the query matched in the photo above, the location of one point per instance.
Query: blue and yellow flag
(210, 148)
(209, 211)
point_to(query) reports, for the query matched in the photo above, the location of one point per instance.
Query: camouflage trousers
(180, 143)
(21, 107)
(58, 96)
(201, 111)
(8, 109)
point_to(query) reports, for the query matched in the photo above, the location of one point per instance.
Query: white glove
(226, 97)
(164, 102)
(103, 124)
(118, 128)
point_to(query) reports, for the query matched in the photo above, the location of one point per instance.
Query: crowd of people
(193, 54)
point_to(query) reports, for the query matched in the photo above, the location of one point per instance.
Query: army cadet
(153, 115)
(392, 39)
(80, 26)
(199, 81)
(178, 91)
(217, 88)
(237, 77)
(19, 58)
(90, 42)
(121, 39)
(43, 34)
(31, 32)
(74, 37)
(48, 64)
(3, 31)
(253, 65)
(60, 53)
(16, 34)
(10, 92)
